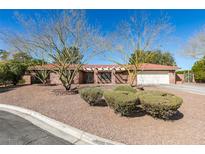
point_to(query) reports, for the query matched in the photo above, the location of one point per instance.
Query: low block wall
(27, 79)
(179, 78)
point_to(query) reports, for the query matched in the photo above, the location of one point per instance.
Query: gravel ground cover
(187, 128)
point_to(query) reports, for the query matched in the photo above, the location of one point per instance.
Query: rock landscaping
(186, 127)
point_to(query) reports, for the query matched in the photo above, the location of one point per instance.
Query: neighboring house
(148, 74)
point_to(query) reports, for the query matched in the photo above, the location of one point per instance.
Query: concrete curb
(59, 129)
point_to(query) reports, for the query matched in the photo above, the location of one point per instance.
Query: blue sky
(186, 23)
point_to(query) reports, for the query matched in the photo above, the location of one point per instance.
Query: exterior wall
(179, 78)
(54, 78)
(27, 79)
(172, 77)
(130, 79)
(113, 77)
(80, 77)
(95, 76)
(77, 78)
(121, 77)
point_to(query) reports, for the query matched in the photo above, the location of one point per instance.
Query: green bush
(199, 70)
(91, 95)
(5, 74)
(125, 88)
(11, 72)
(17, 69)
(123, 102)
(159, 104)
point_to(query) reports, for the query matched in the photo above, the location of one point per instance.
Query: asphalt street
(15, 130)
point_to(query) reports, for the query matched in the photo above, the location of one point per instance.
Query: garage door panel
(153, 79)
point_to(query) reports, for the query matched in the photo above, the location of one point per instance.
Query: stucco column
(172, 77)
(95, 76)
(113, 76)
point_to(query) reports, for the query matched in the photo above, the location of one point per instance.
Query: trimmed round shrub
(91, 95)
(122, 102)
(125, 88)
(159, 104)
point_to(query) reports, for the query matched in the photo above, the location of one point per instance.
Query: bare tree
(135, 36)
(195, 46)
(52, 35)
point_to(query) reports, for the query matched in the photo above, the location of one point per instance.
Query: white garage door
(153, 78)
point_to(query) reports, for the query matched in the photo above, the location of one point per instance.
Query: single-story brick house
(115, 74)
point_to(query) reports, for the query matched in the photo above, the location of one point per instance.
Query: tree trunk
(67, 87)
(44, 82)
(133, 83)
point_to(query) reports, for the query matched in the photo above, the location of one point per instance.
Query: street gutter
(59, 129)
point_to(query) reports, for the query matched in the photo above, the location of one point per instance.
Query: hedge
(159, 104)
(91, 95)
(123, 102)
(125, 88)
(11, 71)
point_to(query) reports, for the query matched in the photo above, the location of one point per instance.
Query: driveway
(18, 131)
(190, 88)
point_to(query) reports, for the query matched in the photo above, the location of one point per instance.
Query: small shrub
(125, 88)
(123, 102)
(159, 104)
(91, 95)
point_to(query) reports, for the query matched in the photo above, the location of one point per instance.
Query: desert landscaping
(186, 128)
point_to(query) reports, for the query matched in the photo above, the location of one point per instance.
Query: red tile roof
(148, 66)
(145, 66)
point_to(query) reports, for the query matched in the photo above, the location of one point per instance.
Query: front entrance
(88, 77)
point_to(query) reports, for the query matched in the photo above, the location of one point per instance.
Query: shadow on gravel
(48, 85)
(5, 89)
(63, 92)
(177, 116)
(101, 103)
(137, 114)
(141, 113)
(9, 88)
